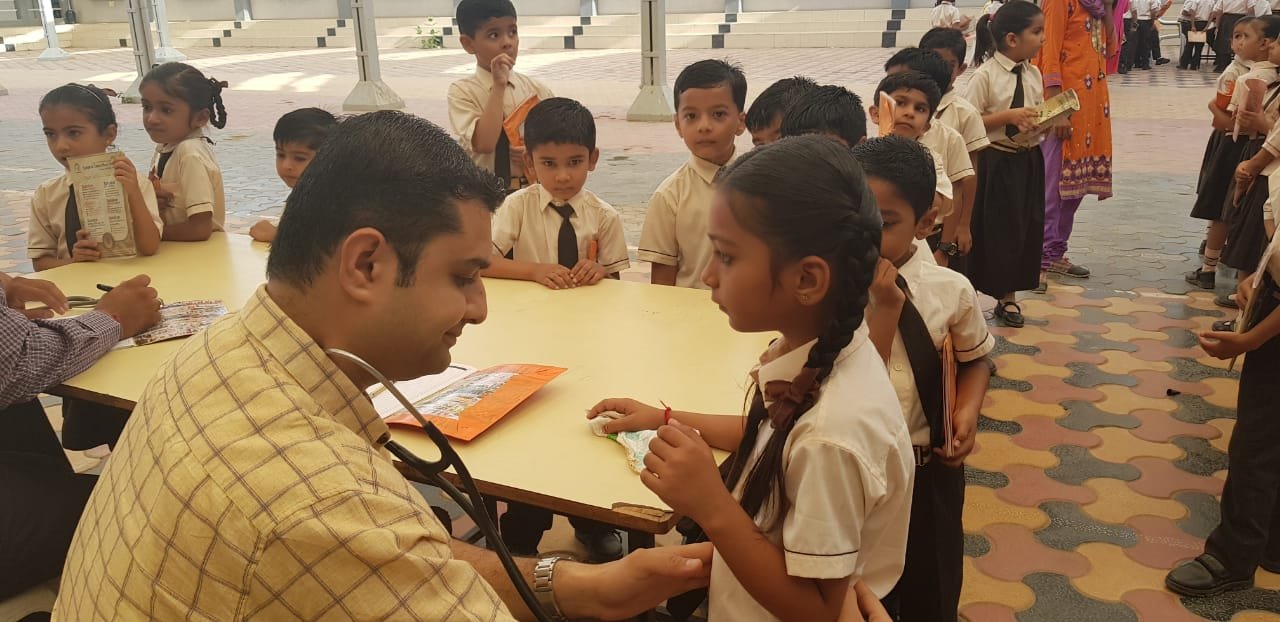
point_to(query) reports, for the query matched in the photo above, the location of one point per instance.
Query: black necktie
(72, 219)
(567, 245)
(1019, 100)
(163, 162)
(926, 364)
(502, 160)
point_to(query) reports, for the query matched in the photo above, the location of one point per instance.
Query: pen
(104, 288)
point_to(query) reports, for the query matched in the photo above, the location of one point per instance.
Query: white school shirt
(993, 6)
(945, 15)
(991, 90)
(193, 176)
(527, 225)
(1195, 10)
(1260, 70)
(949, 306)
(467, 98)
(946, 143)
(958, 114)
(1236, 7)
(1237, 68)
(848, 468)
(675, 227)
(1143, 10)
(47, 234)
(941, 182)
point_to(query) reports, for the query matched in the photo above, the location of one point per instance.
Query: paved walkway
(1102, 444)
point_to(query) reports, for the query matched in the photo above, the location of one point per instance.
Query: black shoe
(1145, 67)
(602, 546)
(1204, 576)
(1226, 301)
(1228, 326)
(1010, 314)
(1162, 61)
(1204, 279)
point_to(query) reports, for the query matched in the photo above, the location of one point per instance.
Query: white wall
(631, 7)
(297, 9)
(99, 11)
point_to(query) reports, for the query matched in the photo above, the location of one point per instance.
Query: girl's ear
(110, 133)
(200, 119)
(813, 281)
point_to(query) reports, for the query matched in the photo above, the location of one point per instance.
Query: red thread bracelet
(666, 414)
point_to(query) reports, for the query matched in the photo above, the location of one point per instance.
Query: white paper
(416, 390)
(100, 199)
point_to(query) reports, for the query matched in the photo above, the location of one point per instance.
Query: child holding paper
(79, 121)
(479, 104)
(297, 135)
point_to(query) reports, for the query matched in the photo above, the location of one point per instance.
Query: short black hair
(391, 171)
(904, 164)
(946, 39)
(306, 126)
(472, 14)
(827, 109)
(927, 62)
(90, 100)
(771, 103)
(559, 120)
(913, 80)
(710, 73)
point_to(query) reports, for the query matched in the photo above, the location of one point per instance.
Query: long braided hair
(804, 196)
(190, 85)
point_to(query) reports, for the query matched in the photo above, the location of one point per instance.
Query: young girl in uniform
(823, 466)
(946, 15)
(79, 121)
(1223, 152)
(177, 103)
(1008, 214)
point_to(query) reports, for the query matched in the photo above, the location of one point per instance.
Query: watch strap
(544, 587)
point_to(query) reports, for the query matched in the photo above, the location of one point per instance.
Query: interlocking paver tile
(1069, 527)
(1194, 409)
(1089, 376)
(1085, 416)
(1007, 405)
(1078, 464)
(1052, 353)
(1120, 445)
(1023, 367)
(1161, 479)
(1203, 513)
(987, 612)
(994, 452)
(1055, 594)
(1113, 573)
(1116, 502)
(983, 508)
(980, 587)
(1041, 433)
(1015, 553)
(1029, 487)
(1162, 544)
(1201, 457)
(1152, 605)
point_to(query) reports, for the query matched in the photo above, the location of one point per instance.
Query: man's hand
(134, 304)
(588, 272)
(632, 585)
(553, 276)
(19, 291)
(85, 248)
(500, 67)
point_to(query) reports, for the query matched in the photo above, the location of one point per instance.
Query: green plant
(430, 39)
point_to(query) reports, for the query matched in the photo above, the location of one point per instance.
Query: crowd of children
(850, 458)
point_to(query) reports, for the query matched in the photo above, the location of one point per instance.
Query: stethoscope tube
(472, 502)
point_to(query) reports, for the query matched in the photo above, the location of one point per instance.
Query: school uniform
(945, 15)
(848, 478)
(48, 234)
(946, 145)
(190, 171)
(1231, 11)
(529, 223)
(1221, 154)
(1008, 210)
(675, 227)
(1246, 238)
(1136, 51)
(1249, 531)
(467, 98)
(958, 114)
(1194, 17)
(944, 304)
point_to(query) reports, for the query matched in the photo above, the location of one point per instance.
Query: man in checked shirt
(43, 497)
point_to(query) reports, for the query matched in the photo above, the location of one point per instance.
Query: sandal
(1010, 314)
(1204, 576)
(1225, 326)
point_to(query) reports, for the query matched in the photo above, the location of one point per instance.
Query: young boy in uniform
(830, 110)
(710, 98)
(557, 232)
(915, 306)
(764, 117)
(916, 98)
(480, 103)
(297, 135)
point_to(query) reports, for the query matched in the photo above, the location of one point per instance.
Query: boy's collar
(707, 169)
(545, 197)
(484, 75)
(948, 98)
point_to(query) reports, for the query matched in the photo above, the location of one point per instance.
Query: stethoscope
(472, 503)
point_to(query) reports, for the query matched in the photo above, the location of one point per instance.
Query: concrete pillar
(165, 52)
(51, 50)
(654, 101)
(587, 8)
(732, 7)
(243, 10)
(370, 93)
(143, 55)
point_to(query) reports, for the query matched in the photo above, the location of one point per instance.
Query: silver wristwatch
(544, 587)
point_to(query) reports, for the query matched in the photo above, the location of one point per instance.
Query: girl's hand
(681, 470)
(85, 249)
(966, 426)
(1252, 121)
(884, 290)
(1024, 118)
(588, 272)
(635, 415)
(263, 231)
(1224, 345)
(164, 197)
(126, 174)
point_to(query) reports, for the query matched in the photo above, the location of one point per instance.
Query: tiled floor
(1101, 448)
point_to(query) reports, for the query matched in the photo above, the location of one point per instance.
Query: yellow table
(617, 340)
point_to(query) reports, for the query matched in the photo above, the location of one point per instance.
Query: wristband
(666, 414)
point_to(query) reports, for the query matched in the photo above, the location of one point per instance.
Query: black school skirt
(1008, 222)
(1221, 155)
(1251, 148)
(1247, 236)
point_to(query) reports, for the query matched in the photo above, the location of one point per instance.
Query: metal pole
(143, 57)
(370, 93)
(654, 101)
(51, 50)
(165, 53)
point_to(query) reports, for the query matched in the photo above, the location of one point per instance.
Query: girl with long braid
(817, 495)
